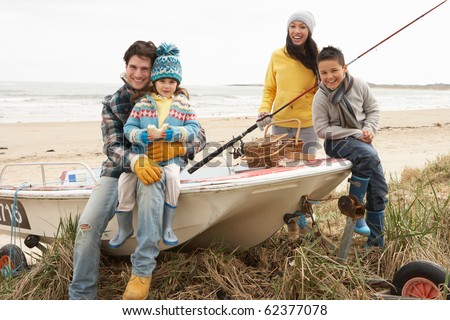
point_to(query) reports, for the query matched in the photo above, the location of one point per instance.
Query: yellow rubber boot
(137, 288)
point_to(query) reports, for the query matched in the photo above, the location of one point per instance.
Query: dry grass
(283, 267)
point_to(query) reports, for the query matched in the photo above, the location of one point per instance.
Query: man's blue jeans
(92, 224)
(366, 164)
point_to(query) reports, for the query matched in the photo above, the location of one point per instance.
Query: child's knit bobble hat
(167, 63)
(304, 16)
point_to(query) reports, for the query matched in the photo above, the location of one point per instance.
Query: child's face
(166, 87)
(331, 73)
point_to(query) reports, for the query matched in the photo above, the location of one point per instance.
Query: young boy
(163, 113)
(346, 116)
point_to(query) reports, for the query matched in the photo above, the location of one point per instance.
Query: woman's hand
(263, 120)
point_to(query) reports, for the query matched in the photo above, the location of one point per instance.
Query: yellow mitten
(147, 170)
(163, 150)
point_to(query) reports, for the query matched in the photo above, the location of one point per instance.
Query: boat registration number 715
(7, 217)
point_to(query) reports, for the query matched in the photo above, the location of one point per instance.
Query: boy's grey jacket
(326, 116)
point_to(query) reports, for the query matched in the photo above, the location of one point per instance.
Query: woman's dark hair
(308, 59)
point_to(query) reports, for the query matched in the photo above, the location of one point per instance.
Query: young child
(346, 116)
(163, 113)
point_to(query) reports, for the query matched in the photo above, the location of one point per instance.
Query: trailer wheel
(12, 259)
(420, 279)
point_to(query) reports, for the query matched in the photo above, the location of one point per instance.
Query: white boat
(238, 207)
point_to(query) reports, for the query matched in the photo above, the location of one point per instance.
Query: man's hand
(163, 150)
(147, 170)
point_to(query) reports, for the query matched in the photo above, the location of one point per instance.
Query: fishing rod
(254, 126)
(406, 26)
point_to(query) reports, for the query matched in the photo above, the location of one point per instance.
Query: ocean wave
(38, 102)
(16, 99)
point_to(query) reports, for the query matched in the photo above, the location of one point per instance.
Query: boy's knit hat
(304, 16)
(167, 63)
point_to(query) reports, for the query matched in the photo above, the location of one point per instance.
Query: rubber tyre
(428, 270)
(15, 255)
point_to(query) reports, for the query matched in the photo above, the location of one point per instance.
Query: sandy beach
(406, 139)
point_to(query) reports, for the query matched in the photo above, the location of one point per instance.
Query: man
(102, 203)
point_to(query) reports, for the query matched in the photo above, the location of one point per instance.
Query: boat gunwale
(236, 181)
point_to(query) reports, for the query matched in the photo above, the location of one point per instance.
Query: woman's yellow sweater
(286, 79)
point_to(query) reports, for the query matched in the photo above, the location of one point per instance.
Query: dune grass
(285, 266)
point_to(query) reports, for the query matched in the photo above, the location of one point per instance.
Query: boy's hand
(367, 136)
(163, 151)
(147, 171)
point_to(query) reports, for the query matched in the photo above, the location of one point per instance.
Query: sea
(67, 102)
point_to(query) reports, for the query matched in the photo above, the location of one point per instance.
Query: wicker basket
(292, 145)
(269, 150)
(263, 152)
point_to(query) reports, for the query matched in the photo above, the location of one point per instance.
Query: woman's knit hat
(167, 63)
(304, 16)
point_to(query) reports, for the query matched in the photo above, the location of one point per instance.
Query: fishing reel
(239, 151)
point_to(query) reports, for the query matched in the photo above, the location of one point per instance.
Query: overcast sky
(221, 42)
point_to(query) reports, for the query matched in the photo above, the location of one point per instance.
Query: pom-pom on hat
(167, 63)
(304, 16)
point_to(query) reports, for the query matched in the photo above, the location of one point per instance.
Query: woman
(292, 71)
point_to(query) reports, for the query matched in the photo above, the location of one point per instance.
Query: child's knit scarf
(338, 98)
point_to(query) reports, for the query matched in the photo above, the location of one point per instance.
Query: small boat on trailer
(234, 206)
(237, 207)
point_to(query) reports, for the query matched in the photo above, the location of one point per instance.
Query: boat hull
(247, 216)
(219, 206)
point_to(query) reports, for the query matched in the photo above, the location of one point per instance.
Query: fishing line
(397, 32)
(253, 127)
